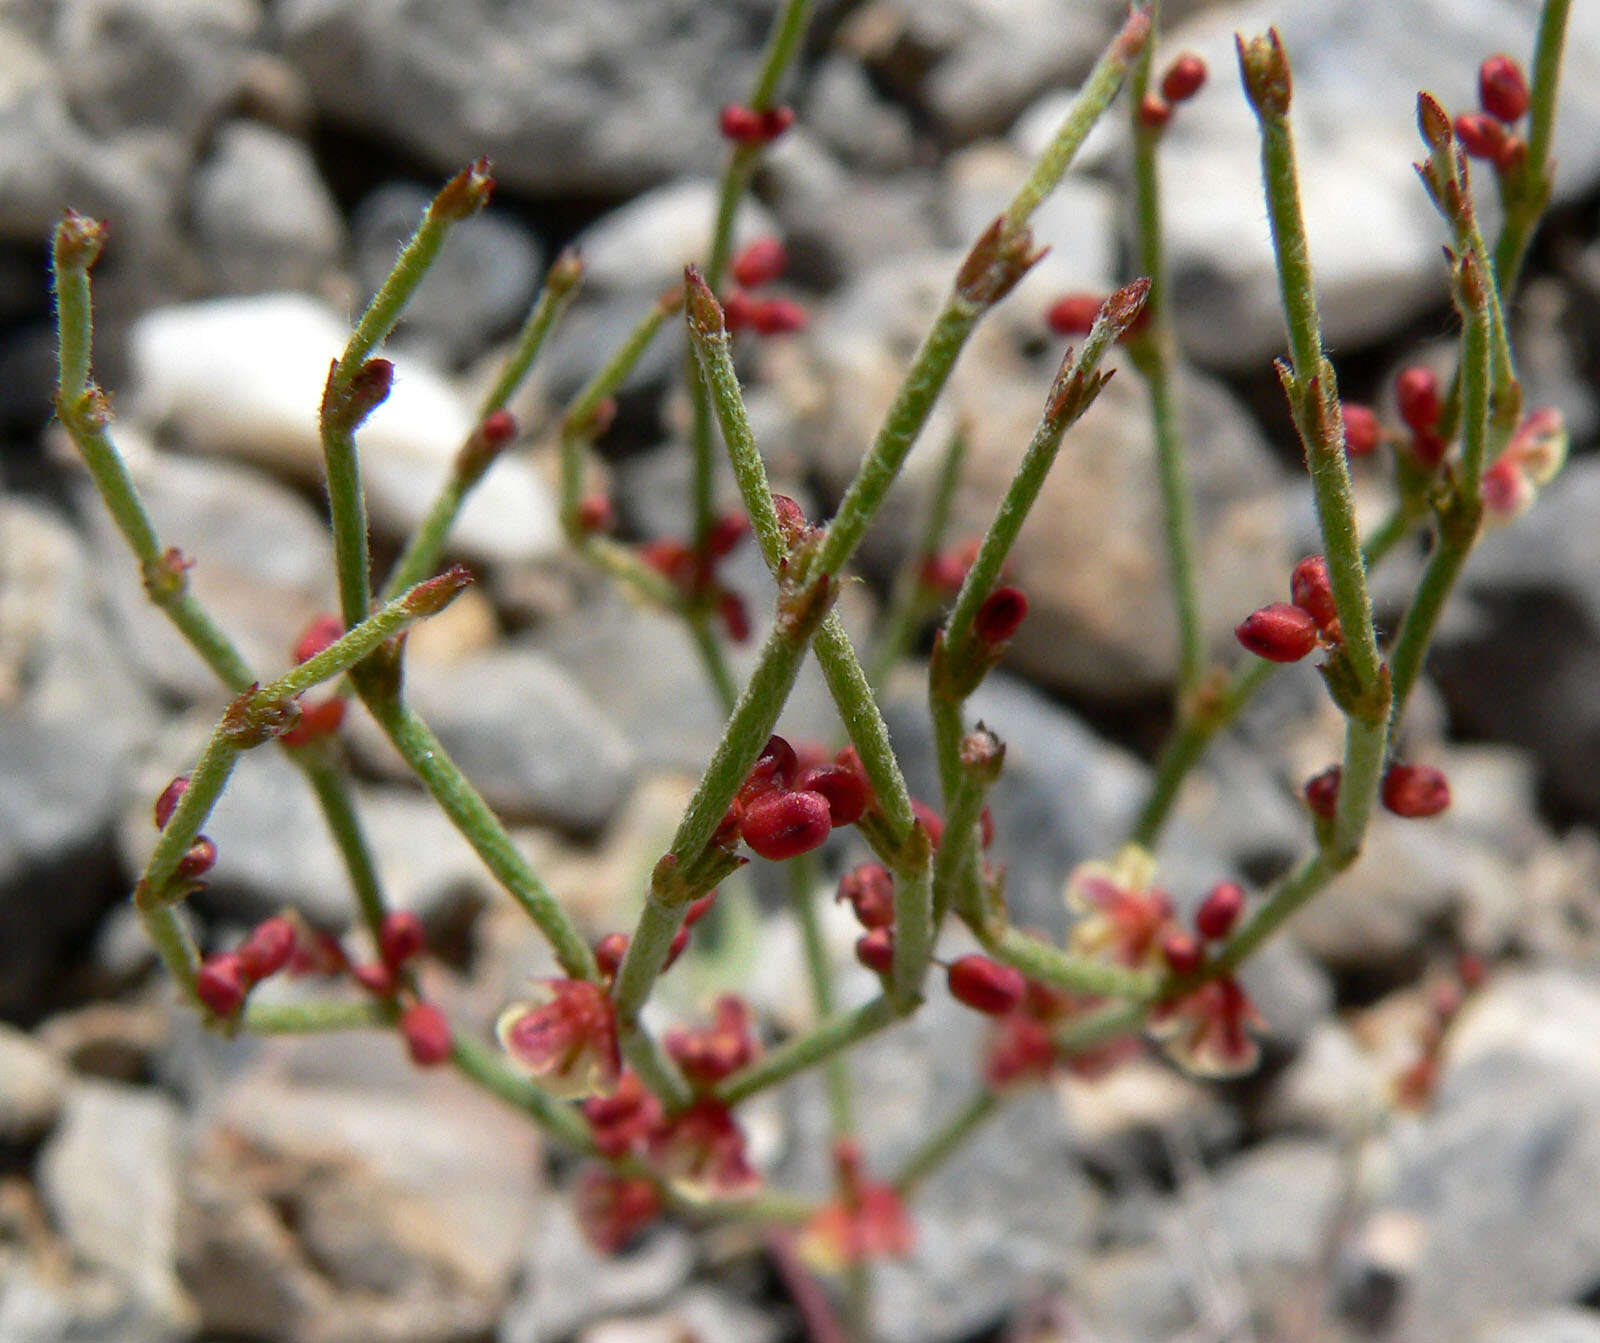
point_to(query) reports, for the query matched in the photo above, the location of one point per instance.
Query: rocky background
(259, 160)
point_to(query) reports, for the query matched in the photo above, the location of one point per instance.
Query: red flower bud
(318, 720)
(984, 985)
(1073, 314)
(200, 859)
(725, 533)
(1417, 391)
(762, 262)
(726, 835)
(1502, 88)
(270, 947)
(1184, 78)
(220, 984)
(737, 310)
(783, 825)
(1182, 952)
(614, 1209)
(745, 126)
(791, 518)
(733, 615)
(1322, 792)
(1481, 136)
(775, 121)
(608, 953)
(875, 949)
(775, 768)
(1362, 433)
(712, 1053)
(845, 790)
(1219, 911)
(595, 514)
(1154, 111)
(999, 616)
(1415, 790)
(1280, 632)
(499, 427)
(376, 978)
(1512, 154)
(400, 938)
(426, 1033)
(1312, 591)
(777, 317)
(869, 889)
(321, 632)
(167, 803)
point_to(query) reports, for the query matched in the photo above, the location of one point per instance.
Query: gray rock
(262, 217)
(861, 127)
(32, 1087)
(1571, 1325)
(480, 283)
(1275, 1207)
(702, 1313)
(599, 99)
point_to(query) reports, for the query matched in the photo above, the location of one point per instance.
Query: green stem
(344, 826)
(803, 877)
(1528, 193)
(858, 707)
(164, 926)
(561, 285)
(934, 1150)
(305, 1018)
(806, 1051)
(713, 659)
(206, 782)
(487, 1068)
(1079, 974)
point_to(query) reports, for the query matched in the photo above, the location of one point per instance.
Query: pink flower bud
(318, 635)
(1154, 111)
(762, 262)
(1184, 78)
(745, 126)
(1416, 390)
(1219, 911)
(499, 427)
(1181, 952)
(608, 953)
(845, 790)
(775, 121)
(712, 1053)
(1073, 314)
(614, 1209)
(595, 514)
(791, 518)
(1481, 136)
(432, 595)
(1508, 493)
(1362, 433)
(1322, 792)
(1280, 632)
(1312, 591)
(400, 938)
(270, 946)
(200, 859)
(1502, 88)
(985, 986)
(869, 890)
(775, 768)
(782, 825)
(1415, 791)
(167, 803)
(725, 533)
(875, 949)
(220, 984)
(376, 978)
(999, 616)
(1540, 444)
(426, 1032)
(737, 310)
(777, 317)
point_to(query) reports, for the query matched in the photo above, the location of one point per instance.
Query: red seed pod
(609, 951)
(869, 890)
(427, 1034)
(200, 859)
(849, 758)
(775, 121)
(321, 632)
(269, 947)
(984, 985)
(1219, 911)
(1481, 136)
(844, 789)
(740, 124)
(595, 514)
(1312, 591)
(400, 937)
(673, 560)
(1502, 88)
(1154, 111)
(167, 803)
(875, 949)
(783, 825)
(1322, 792)
(1181, 951)
(1362, 433)
(929, 820)
(318, 720)
(775, 768)
(1415, 790)
(761, 262)
(999, 615)
(375, 977)
(1073, 314)
(1184, 78)
(1416, 389)
(1281, 632)
(777, 317)
(220, 984)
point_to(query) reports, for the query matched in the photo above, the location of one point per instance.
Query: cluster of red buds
(610, 949)
(201, 856)
(692, 570)
(568, 1038)
(1503, 95)
(1287, 631)
(1413, 791)
(708, 1055)
(867, 1220)
(1536, 452)
(758, 265)
(225, 979)
(1022, 1049)
(746, 126)
(1183, 79)
(788, 806)
(1416, 394)
(322, 717)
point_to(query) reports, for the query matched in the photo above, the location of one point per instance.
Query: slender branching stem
(803, 877)
(806, 1051)
(943, 1143)
(1527, 192)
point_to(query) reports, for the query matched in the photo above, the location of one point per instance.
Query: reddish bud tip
(1312, 591)
(1181, 951)
(499, 427)
(369, 389)
(375, 977)
(1322, 792)
(844, 789)
(1362, 433)
(875, 950)
(1502, 88)
(700, 304)
(777, 317)
(1000, 615)
(745, 126)
(608, 953)
(1416, 390)
(319, 634)
(595, 514)
(270, 946)
(167, 803)
(762, 262)
(775, 768)
(1219, 911)
(1073, 314)
(1265, 67)
(426, 1033)
(1154, 111)
(869, 890)
(1184, 78)
(464, 194)
(220, 984)
(1415, 791)
(783, 825)
(200, 859)
(1280, 632)
(984, 985)
(78, 241)
(1481, 136)
(432, 595)
(791, 518)
(400, 938)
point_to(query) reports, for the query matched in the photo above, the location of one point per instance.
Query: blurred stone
(1569, 1325)
(33, 1085)
(702, 1314)
(1332, 1087)
(1127, 1123)
(862, 127)
(263, 219)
